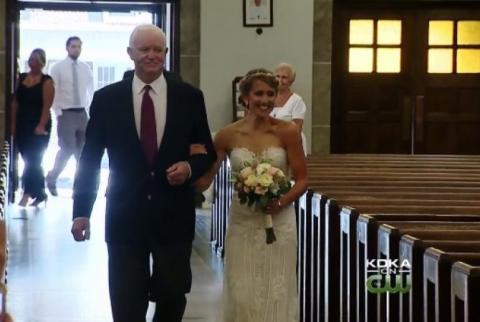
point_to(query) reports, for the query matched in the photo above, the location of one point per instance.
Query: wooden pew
(453, 173)
(332, 259)
(366, 248)
(348, 248)
(465, 292)
(436, 281)
(305, 255)
(223, 191)
(412, 249)
(331, 263)
(318, 271)
(311, 276)
(388, 239)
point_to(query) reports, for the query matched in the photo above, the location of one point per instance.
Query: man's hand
(178, 173)
(81, 229)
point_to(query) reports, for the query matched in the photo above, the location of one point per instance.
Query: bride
(259, 278)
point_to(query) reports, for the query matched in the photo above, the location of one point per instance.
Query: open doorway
(104, 30)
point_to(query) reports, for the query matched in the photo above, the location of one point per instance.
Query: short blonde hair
(288, 67)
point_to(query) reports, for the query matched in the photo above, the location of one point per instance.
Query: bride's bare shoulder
(287, 130)
(227, 134)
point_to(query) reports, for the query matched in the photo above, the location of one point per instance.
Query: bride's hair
(257, 74)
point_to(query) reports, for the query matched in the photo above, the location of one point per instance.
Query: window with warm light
(453, 47)
(375, 46)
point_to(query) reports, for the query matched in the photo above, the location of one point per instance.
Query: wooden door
(447, 90)
(391, 90)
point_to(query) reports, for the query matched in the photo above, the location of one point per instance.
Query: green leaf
(263, 201)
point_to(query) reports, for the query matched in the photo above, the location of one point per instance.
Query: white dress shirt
(62, 77)
(158, 93)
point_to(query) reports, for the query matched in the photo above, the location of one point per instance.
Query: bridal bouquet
(257, 183)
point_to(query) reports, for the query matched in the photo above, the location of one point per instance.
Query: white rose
(263, 167)
(274, 188)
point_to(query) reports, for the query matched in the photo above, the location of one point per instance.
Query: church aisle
(51, 278)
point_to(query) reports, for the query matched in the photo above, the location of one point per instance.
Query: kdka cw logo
(387, 275)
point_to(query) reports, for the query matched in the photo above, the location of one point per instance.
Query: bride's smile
(261, 97)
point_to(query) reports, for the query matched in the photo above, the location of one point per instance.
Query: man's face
(148, 51)
(74, 49)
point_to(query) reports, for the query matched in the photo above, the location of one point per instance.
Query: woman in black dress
(31, 125)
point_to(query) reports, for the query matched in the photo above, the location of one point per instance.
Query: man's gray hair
(145, 27)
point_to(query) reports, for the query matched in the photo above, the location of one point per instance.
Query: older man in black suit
(147, 124)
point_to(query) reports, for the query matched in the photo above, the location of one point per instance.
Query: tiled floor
(52, 278)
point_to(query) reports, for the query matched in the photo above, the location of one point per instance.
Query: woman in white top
(289, 106)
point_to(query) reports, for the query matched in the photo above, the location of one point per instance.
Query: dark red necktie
(148, 130)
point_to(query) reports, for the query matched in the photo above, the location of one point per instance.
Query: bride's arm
(205, 181)
(290, 135)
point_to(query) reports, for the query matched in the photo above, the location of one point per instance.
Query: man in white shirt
(73, 81)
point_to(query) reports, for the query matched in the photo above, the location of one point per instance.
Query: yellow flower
(265, 180)
(247, 171)
(251, 180)
(279, 174)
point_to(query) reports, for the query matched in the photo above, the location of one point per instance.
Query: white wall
(227, 49)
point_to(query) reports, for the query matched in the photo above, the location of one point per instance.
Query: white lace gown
(260, 283)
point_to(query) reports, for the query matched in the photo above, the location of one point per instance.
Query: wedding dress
(260, 279)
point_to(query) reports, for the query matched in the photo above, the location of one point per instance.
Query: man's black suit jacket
(140, 202)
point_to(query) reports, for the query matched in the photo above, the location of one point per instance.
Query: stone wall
(190, 41)
(3, 67)
(321, 84)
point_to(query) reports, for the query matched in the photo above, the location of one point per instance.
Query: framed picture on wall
(239, 110)
(257, 13)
